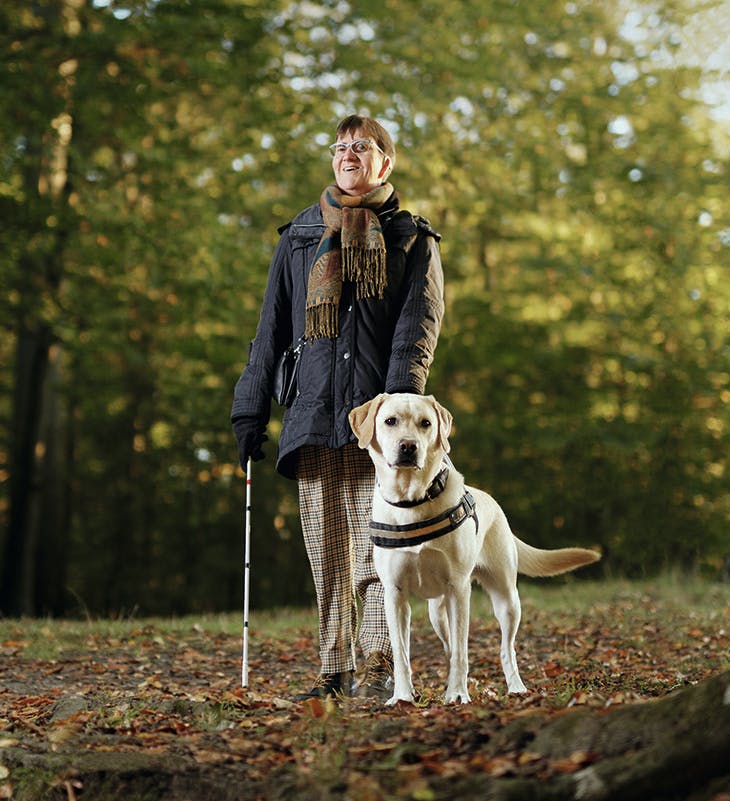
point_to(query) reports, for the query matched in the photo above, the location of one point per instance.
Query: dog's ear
(362, 420)
(445, 421)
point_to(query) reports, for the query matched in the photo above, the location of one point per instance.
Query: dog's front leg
(458, 600)
(398, 617)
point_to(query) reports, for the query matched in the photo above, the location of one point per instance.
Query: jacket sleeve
(252, 394)
(419, 323)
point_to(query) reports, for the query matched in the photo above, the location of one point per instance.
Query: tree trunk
(34, 551)
(34, 558)
(18, 576)
(51, 519)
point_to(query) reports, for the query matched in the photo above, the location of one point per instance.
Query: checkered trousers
(335, 500)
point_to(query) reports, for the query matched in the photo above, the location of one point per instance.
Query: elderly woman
(360, 279)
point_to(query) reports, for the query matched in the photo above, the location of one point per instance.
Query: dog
(432, 535)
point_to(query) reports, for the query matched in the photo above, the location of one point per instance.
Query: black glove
(250, 435)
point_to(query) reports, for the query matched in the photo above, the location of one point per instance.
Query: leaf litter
(175, 695)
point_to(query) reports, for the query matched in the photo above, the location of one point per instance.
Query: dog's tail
(537, 562)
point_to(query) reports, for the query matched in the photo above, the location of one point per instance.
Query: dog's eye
(425, 423)
(390, 421)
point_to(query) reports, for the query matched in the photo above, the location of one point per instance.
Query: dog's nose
(407, 447)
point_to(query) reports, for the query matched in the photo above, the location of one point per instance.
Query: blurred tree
(39, 222)
(131, 269)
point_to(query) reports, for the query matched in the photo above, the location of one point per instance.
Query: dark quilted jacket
(384, 345)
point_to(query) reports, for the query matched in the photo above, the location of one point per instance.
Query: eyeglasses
(358, 146)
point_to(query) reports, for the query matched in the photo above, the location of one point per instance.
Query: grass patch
(48, 638)
(690, 596)
(672, 590)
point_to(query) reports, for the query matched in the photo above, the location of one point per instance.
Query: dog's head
(407, 431)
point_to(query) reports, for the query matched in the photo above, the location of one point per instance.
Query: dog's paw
(457, 697)
(406, 698)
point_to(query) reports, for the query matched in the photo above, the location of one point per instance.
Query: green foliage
(148, 153)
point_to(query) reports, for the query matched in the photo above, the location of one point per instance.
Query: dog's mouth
(410, 462)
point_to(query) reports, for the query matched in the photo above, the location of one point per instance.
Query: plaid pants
(335, 499)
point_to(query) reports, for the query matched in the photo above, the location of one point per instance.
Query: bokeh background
(574, 157)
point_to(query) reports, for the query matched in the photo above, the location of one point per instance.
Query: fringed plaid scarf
(352, 248)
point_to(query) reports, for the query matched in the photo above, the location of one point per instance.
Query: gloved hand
(250, 435)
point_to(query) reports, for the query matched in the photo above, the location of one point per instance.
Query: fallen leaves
(69, 783)
(62, 733)
(175, 695)
(320, 708)
(552, 669)
(8, 742)
(6, 788)
(574, 762)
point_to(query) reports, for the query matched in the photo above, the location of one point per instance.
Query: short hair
(371, 128)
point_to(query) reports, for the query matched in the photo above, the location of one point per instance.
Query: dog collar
(389, 536)
(437, 486)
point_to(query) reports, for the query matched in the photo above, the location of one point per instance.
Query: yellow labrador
(432, 535)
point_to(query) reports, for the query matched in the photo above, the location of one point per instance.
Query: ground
(154, 709)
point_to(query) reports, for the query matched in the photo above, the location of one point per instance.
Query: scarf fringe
(365, 267)
(322, 321)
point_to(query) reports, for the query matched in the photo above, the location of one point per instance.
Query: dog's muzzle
(407, 453)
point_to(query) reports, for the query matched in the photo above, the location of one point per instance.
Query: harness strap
(425, 530)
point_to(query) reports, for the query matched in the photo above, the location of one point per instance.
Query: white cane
(246, 575)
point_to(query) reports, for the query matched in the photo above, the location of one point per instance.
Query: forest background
(574, 158)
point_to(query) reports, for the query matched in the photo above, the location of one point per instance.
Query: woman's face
(359, 173)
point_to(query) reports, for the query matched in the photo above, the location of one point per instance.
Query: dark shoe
(331, 685)
(377, 681)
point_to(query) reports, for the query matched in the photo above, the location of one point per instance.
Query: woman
(362, 281)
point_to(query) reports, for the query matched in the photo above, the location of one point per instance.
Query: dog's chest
(426, 571)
